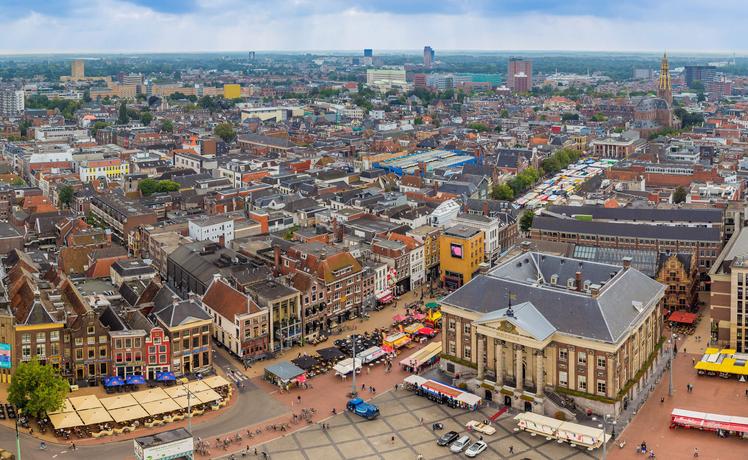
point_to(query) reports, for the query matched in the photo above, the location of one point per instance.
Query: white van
(460, 444)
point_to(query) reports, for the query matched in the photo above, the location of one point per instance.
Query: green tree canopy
(525, 222)
(123, 117)
(65, 195)
(146, 118)
(502, 192)
(480, 127)
(167, 126)
(679, 195)
(37, 389)
(225, 131)
(150, 186)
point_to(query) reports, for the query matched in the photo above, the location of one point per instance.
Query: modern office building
(428, 56)
(368, 52)
(77, 69)
(519, 72)
(461, 252)
(702, 73)
(386, 75)
(728, 296)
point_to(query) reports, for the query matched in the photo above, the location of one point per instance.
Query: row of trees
(560, 160)
(525, 179)
(150, 186)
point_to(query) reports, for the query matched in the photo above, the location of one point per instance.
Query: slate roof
(643, 214)
(525, 317)
(661, 232)
(180, 313)
(625, 295)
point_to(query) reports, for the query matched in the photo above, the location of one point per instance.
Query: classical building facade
(540, 322)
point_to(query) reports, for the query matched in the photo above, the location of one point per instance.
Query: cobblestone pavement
(350, 437)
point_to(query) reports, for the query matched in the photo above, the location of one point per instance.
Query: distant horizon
(43, 27)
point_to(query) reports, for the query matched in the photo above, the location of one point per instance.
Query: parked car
(447, 438)
(363, 409)
(476, 448)
(460, 444)
(480, 427)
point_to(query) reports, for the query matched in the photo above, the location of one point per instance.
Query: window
(118, 357)
(118, 343)
(102, 352)
(128, 343)
(582, 383)
(452, 325)
(563, 379)
(41, 349)
(41, 337)
(91, 330)
(466, 353)
(601, 387)
(26, 351)
(162, 359)
(452, 348)
(152, 359)
(582, 358)
(151, 350)
(55, 349)
(102, 339)
(601, 362)
(162, 349)
(78, 353)
(138, 356)
(137, 342)
(26, 338)
(91, 353)
(563, 354)
(54, 336)
(466, 328)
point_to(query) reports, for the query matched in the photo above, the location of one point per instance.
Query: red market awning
(398, 318)
(387, 348)
(683, 317)
(426, 331)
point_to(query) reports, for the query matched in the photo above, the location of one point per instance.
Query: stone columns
(520, 384)
(539, 378)
(481, 352)
(499, 362)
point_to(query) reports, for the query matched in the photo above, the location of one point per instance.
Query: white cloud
(117, 26)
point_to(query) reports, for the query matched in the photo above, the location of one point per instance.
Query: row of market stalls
(423, 358)
(726, 363)
(442, 393)
(88, 415)
(573, 433)
(565, 183)
(722, 424)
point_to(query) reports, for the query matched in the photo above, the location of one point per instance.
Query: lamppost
(672, 352)
(18, 438)
(189, 408)
(354, 392)
(604, 426)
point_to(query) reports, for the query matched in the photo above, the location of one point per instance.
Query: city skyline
(116, 26)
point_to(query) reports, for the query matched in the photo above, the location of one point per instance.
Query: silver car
(476, 448)
(460, 444)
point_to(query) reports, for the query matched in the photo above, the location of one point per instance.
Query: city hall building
(541, 324)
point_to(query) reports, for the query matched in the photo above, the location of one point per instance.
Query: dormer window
(554, 279)
(571, 283)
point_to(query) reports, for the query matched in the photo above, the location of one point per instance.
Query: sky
(122, 26)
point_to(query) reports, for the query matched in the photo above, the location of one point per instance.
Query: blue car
(362, 409)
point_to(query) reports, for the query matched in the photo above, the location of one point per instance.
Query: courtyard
(351, 437)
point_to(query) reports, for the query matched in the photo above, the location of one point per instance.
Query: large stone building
(728, 296)
(540, 322)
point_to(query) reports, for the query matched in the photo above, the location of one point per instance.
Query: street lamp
(189, 408)
(672, 352)
(354, 392)
(18, 438)
(604, 426)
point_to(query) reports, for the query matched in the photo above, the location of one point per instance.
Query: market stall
(126, 414)
(65, 420)
(117, 402)
(385, 297)
(94, 416)
(161, 406)
(723, 424)
(682, 317)
(397, 340)
(66, 407)
(371, 354)
(423, 357)
(442, 393)
(216, 381)
(305, 362)
(413, 328)
(85, 402)
(346, 366)
(283, 374)
(331, 354)
(146, 396)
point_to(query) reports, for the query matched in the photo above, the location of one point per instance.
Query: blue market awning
(114, 381)
(135, 380)
(165, 376)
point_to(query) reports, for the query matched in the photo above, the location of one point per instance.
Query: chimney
(485, 208)
(217, 276)
(626, 263)
(277, 258)
(578, 277)
(525, 245)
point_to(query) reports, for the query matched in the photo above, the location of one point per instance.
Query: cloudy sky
(75, 26)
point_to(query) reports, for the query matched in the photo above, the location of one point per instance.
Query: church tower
(664, 89)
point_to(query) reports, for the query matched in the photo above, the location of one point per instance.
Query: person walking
(392, 440)
(695, 451)
(511, 449)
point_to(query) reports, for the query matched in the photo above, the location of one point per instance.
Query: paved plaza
(351, 437)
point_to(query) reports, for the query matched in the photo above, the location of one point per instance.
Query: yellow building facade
(232, 91)
(461, 251)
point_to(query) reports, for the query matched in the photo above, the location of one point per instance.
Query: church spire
(664, 89)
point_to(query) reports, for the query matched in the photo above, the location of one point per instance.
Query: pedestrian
(368, 370)
(652, 453)
(393, 440)
(693, 361)
(511, 449)
(481, 437)
(695, 451)
(72, 446)
(662, 400)
(363, 386)
(373, 390)
(298, 398)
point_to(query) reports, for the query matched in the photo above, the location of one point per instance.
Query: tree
(97, 126)
(568, 116)
(148, 186)
(168, 186)
(525, 222)
(480, 127)
(167, 126)
(123, 117)
(146, 118)
(504, 113)
(65, 195)
(225, 131)
(502, 192)
(679, 195)
(37, 389)
(697, 85)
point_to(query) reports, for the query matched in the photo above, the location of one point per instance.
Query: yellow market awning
(65, 420)
(119, 401)
(126, 414)
(161, 407)
(66, 407)
(216, 381)
(207, 396)
(94, 416)
(146, 396)
(85, 402)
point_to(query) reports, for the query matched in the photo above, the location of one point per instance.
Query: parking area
(351, 437)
